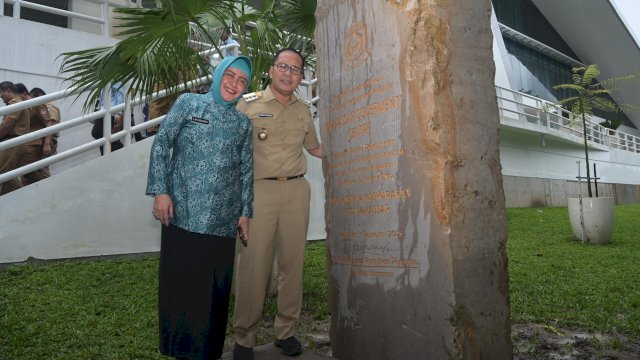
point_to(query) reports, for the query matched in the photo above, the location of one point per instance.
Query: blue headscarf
(245, 63)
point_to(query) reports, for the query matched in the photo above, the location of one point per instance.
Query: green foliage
(611, 124)
(591, 94)
(315, 282)
(156, 50)
(79, 310)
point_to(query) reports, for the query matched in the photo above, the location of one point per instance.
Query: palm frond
(574, 87)
(604, 105)
(615, 82)
(590, 75)
(298, 16)
(158, 48)
(155, 51)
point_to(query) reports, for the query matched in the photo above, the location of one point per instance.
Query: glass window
(41, 16)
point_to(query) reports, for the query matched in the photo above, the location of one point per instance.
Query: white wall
(98, 208)
(503, 68)
(525, 155)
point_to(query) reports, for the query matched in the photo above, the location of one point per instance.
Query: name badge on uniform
(265, 115)
(200, 120)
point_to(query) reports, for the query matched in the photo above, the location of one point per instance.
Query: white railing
(304, 92)
(530, 111)
(104, 20)
(551, 118)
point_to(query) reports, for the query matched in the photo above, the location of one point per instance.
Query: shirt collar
(268, 96)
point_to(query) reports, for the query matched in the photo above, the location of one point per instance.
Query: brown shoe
(289, 346)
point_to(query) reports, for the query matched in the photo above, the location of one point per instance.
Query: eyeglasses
(294, 70)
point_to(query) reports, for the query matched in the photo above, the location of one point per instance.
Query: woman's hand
(163, 208)
(243, 224)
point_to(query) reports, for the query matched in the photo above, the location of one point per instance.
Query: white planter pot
(597, 214)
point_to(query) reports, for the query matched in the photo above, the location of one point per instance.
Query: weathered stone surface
(414, 199)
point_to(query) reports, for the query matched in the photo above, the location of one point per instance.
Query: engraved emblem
(356, 50)
(262, 135)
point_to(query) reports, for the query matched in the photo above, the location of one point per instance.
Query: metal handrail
(553, 117)
(545, 114)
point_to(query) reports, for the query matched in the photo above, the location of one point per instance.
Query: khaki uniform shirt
(21, 126)
(54, 113)
(279, 134)
(39, 119)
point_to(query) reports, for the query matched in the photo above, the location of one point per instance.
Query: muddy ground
(530, 342)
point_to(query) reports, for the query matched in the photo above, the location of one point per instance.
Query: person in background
(13, 125)
(54, 114)
(227, 39)
(160, 107)
(117, 98)
(283, 128)
(38, 149)
(201, 177)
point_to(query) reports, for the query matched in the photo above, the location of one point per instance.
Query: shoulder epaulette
(306, 102)
(252, 96)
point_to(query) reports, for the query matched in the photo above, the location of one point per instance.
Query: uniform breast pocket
(297, 133)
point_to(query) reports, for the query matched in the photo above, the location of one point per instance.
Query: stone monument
(414, 201)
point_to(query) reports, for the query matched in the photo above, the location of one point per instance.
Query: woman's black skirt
(193, 293)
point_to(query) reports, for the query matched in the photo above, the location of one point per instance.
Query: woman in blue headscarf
(201, 176)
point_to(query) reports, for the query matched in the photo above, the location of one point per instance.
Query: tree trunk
(414, 200)
(586, 148)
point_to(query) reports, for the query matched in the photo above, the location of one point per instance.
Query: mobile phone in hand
(242, 238)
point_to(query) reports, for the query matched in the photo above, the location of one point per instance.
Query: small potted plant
(592, 218)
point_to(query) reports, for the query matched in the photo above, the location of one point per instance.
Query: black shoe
(242, 353)
(290, 346)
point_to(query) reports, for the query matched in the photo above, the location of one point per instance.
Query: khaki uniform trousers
(10, 160)
(32, 154)
(279, 225)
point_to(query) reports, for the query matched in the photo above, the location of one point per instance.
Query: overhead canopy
(598, 34)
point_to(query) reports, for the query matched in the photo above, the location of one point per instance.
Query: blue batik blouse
(202, 157)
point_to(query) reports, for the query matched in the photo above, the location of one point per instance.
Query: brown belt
(284, 178)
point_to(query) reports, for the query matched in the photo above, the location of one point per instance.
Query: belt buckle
(282, 178)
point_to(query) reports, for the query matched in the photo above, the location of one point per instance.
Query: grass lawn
(556, 280)
(107, 308)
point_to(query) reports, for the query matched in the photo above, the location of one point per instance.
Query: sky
(629, 12)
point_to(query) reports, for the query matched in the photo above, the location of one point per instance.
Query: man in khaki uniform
(13, 125)
(40, 117)
(54, 114)
(282, 128)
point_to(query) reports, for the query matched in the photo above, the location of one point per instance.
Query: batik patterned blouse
(202, 157)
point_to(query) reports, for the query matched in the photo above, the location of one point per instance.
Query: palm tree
(590, 95)
(158, 43)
